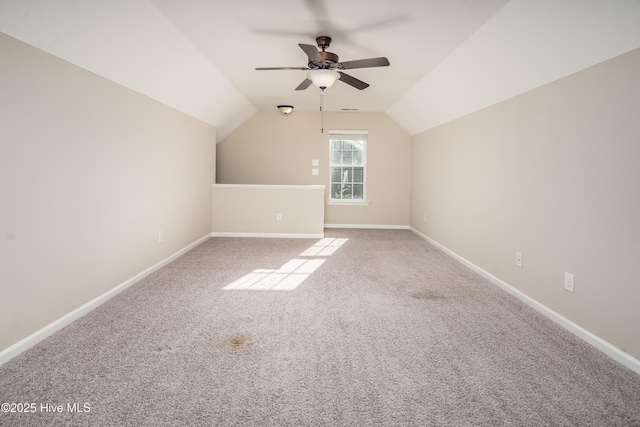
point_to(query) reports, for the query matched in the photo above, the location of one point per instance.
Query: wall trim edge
(605, 347)
(373, 226)
(268, 235)
(33, 339)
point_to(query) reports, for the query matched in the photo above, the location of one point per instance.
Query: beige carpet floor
(362, 328)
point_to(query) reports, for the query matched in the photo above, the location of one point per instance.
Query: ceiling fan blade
(293, 34)
(350, 80)
(312, 52)
(365, 63)
(382, 24)
(281, 68)
(317, 10)
(305, 84)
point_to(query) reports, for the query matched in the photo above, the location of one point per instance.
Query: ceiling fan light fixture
(285, 109)
(323, 78)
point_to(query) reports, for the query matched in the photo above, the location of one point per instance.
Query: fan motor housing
(331, 61)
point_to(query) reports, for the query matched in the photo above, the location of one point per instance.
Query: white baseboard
(372, 226)
(602, 345)
(33, 339)
(268, 235)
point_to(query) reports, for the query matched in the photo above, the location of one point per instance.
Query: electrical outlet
(315, 162)
(518, 259)
(160, 236)
(314, 171)
(278, 216)
(569, 282)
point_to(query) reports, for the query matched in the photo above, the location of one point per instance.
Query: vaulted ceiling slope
(448, 58)
(527, 44)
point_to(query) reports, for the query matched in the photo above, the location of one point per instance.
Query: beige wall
(554, 174)
(270, 148)
(252, 210)
(90, 172)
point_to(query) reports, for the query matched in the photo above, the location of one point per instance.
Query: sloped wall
(90, 172)
(554, 174)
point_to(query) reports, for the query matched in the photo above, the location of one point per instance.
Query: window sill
(348, 202)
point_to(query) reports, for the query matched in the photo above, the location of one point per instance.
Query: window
(347, 160)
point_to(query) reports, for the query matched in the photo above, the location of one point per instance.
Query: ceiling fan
(325, 67)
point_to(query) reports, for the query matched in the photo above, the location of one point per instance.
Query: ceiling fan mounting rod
(323, 42)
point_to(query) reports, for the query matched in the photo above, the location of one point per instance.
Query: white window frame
(362, 201)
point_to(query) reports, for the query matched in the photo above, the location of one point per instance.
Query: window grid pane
(336, 174)
(358, 191)
(347, 164)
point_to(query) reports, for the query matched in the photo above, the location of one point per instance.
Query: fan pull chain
(322, 109)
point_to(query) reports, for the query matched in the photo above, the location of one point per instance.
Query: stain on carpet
(430, 294)
(237, 342)
(441, 294)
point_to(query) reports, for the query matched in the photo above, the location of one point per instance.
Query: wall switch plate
(424, 218)
(315, 162)
(569, 282)
(314, 171)
(160, 236)
(518, 259)
(278, 216)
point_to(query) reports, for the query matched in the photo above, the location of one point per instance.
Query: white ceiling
(448, 57)
(239, 35)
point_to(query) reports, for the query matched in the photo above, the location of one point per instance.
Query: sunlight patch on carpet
(292, 274)
(286, 278)
(324, 247)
